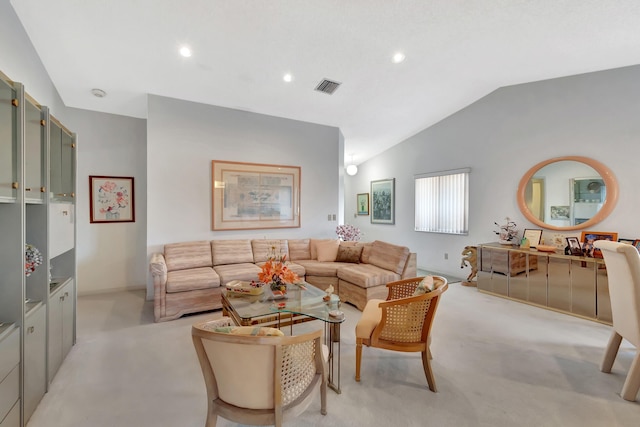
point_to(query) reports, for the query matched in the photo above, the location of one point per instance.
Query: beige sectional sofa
(188, 277)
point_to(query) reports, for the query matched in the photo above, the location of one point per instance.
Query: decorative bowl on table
(245, 288)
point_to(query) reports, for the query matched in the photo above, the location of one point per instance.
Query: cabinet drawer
(9, 353)
(9, 391)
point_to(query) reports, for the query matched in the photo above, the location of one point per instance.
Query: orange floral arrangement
(276, 273)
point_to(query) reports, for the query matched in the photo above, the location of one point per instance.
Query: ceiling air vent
(327, 86)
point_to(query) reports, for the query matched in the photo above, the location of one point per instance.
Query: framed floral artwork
(363, 204)
(111, 199)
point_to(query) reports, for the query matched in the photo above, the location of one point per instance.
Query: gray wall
(500, 137)
(184, 137)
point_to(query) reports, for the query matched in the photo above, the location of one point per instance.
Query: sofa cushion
(388, 256)
(313, 246)
(348, 253)
(366, 275)
(328, 251)
(299, 249)
(181, 256)
(264, 248)
(313, 267)
(231, 251)
(192, 279)
(366, 252)
(242, 271)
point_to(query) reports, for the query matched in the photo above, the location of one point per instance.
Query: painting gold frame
(249, 196)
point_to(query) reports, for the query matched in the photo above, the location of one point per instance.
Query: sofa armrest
(411, 267)
(158, 270)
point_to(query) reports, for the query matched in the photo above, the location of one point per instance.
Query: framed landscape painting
(249, 196)
(383, 201)
(111, 199)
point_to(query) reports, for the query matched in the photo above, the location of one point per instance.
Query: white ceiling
(456, 52)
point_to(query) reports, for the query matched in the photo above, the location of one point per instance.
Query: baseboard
(111, 290)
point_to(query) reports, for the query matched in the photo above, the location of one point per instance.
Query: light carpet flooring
(496, 363)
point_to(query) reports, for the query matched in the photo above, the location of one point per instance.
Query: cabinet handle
(43, 189)
(27, 189)
(62, 298)
(43, 122)
(15, 185)
(66, 294)
(31, 329)
(73, 194)
(15, 102)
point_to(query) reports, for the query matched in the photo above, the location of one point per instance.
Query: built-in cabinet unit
(29, 163)
(570, 284)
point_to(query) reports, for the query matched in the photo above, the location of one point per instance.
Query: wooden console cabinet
(570, 284)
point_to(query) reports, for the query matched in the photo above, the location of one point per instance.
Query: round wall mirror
(567, 193)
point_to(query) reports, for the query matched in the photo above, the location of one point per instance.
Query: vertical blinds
(442, 200)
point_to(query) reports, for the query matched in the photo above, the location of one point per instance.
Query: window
(442, 202)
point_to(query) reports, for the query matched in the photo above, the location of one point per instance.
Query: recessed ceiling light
(185, 51)
(398, 57)
(99, 93)
(287, 77)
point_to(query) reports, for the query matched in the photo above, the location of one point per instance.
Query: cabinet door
(35, 383)
(67, 318)
(55, 162)
(55, 333)
(8, 143)
(67, 158)
(34, 154)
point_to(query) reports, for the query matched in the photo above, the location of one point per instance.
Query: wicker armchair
(401, 323)
(260, 380)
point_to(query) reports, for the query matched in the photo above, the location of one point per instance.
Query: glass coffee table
(300, 305)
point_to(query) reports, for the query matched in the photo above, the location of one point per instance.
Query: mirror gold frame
(607, 207)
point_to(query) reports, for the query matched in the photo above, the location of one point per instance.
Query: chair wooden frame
(405, 323)
(284, 380)
(623, 272)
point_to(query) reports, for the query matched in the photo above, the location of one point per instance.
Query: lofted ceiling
(457, 51)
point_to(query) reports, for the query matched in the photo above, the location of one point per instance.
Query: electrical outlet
(329, 217)
(333, 217)
(446, 255)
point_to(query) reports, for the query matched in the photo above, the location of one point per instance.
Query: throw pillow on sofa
(313, 246)
(328, 251)
(425, 286)
(347, 253)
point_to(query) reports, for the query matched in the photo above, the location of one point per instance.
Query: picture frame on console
(111, 199)
(574, 246)
(533, 236)
(588, 237)
(249, 196)
(363, 203)
(383, 201)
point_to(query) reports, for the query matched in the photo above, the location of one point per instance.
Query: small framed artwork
(574, 246)
(383, 201)
(363, 204)
(533, 236)
(588, 237)
(111, 199)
